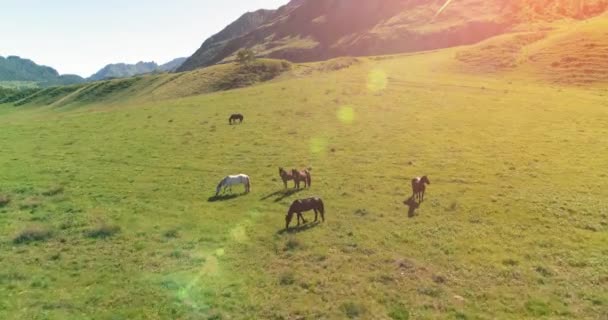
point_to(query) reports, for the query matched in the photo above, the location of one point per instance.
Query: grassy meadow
(106, 208)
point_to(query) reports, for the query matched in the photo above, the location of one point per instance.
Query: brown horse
(301, 176)
(303, 205)
(418, 187)
(285, 176)
(237, 116)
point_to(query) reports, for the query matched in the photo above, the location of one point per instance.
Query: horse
(301, 176)
(418, 187)
(285, 176)
(230, 181)
(237, 116)
(303, 205)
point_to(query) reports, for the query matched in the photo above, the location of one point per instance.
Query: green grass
(514, 224)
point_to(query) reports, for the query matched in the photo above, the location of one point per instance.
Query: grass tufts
(103, 231)
(34, 234)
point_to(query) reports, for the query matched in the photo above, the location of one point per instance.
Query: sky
(82, 36)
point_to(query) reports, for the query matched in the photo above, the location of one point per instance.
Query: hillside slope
(16, 69)
(317, 30)
(571, 53)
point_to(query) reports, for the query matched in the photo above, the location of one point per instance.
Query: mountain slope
(13, 69)
(310, 30)
(243, 25)
(124, 70)
(172, 65)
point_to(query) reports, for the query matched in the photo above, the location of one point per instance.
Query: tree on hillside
(245, 57)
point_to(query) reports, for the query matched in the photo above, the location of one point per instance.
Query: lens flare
(239, 234)
(447, 3)
(346, 114)
(318, 145)
(377, 81)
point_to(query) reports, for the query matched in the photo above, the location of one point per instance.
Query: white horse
(230, 181)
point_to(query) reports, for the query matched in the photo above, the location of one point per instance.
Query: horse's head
(426, 180)
(281, 170)
(288, 218)
(219, 188)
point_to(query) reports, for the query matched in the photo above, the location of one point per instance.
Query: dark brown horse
(303, 205)
(418, 187)
(237, 116)
(285, 176)
(301, 176)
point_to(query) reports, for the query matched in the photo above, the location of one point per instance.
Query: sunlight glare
(377, 81)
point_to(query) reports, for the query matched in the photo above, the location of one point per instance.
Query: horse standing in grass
(285, 176)
(230, 181)
(301, 176)
(237, 116)
(419, 187)
(303, 205)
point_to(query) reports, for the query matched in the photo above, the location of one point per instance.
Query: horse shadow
(224, 197)
(412, 204)
(301, 228)
(282, 194)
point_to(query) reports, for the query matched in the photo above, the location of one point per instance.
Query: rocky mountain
(309, 30)
(14, 68)
(172, 65)
(123, 70)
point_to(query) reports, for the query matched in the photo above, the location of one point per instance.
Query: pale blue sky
(82, 36)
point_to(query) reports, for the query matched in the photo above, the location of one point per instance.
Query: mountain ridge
(312, 30)
(17, 69)
(124, 70)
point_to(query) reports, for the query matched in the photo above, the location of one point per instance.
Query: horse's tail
(321, 206)
(308, 178)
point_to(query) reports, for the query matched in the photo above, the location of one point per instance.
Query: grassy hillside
(150, 87)
(106, 210)
(571, 53)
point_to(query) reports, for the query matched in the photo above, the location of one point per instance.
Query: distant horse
(303, 205)
(230, 181)
(235, 117)
(418, 187)
(285, 176)
(301, 176)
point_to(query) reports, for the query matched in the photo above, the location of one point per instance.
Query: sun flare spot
(346, 114)
(377, 80)
(318, 145)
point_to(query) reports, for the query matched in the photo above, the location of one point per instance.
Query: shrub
(353, 310)
(292, 244)
(32, 235)
(287, 278)
(4, 200)
(53, 191)
(171, 233)
(103, 231)
(399, 312)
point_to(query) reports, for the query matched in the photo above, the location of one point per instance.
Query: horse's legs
(316, 215)
(285, 183)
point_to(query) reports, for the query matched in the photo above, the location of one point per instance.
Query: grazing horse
(303, 205)
(301, 176)
(237, 116)
(419, 186)
(230, 181)
(285, 176)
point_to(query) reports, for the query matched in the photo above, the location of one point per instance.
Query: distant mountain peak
(124, 70)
